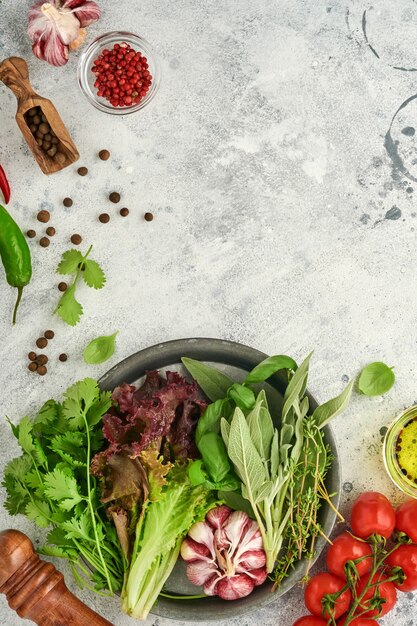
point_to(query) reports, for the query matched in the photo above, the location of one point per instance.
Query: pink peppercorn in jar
(119, 73)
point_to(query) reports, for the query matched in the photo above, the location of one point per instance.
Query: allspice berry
(43, 216)
(76, 239)
(42, 359)
(50, 231)
(104, 155)
(62, 286)
(67, 202)
(41, 342)
(124, 212)
(148, 217)
(60, 158)
(82, 171)
(63, 357)
(32, 356)
(42, 370)
(49, 334)
(31, 233)
(32, 367)
(104, 218)
(114, 197)
(44, 242)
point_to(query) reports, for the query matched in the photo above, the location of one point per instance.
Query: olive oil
(400, 451)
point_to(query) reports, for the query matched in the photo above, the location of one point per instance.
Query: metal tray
(235, 360)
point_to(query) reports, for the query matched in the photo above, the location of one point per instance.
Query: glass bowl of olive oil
(400, 451)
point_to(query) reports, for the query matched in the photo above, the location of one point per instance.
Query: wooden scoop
(14, 73)
(36, 590)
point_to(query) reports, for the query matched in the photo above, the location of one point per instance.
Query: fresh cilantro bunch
(51, 484)
(73, 262)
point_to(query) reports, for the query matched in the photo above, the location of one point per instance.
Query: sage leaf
(295, 391)
(261, 429)
(270, 366)
(274, 454)
(225, 431)
(242, 396)
(215, 384)
(243, 454)
(264, 492)
(327, 411)
(376, 379)
(100, 349)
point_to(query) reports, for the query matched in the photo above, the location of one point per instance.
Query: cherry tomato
(372, 513)
(406, 519)
(358, 621)
(346, 548)
(406, 558)
(318, 587)
(384, 590)
(310, 620)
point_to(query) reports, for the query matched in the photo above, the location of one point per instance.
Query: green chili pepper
(15, 254)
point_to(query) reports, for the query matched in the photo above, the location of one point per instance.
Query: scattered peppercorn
(104, 155)
(124, 212)
(42, 370)
(114, 197)
(44, 216)
(32, 356)
(148, 217)
(41, 342)
(50, 231)
(67, 202)
(76, 239)
(42, 359)
(33, 367)
(83, 171)
(63, 357)
(62, 286)
(104, 218)
(44, 242)
(31, 233)
(49, 334)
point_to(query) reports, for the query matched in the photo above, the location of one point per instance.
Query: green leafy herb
(51, 484)
(215, 384)
(73, 262)
(327, 411)
(376, 379)
(100, 349)
(270, 366)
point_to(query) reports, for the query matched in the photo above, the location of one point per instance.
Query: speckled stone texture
(281, 170)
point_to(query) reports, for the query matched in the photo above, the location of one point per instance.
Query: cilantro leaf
(69, 309)
(62, 489)
(96, 412)
(15, 429)
(47, 413)
(39, 512)
(78, 528)
(92, 274)
(18, 468)
(78, 400)
(71, 443)
(25, 435)
(69, 262)
(17, 495)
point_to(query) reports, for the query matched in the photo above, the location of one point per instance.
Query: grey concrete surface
(279, 160)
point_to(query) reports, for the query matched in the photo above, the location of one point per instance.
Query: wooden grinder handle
(14, 73)
(36, 590)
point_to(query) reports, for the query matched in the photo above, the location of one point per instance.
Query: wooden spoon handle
(15, 74)
(36, 590)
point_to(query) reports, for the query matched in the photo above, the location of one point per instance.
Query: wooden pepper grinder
(36, 590)
(58, 151)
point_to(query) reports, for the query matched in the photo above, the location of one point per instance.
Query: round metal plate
(235, 360)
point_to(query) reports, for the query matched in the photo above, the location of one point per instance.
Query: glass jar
(400, 451)
(86, 77)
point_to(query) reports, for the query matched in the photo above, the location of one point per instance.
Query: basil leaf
(100, 349)
(214, 383)
(213, 452)
(242, 396)
(270, 366)
(327, 411)
(376, 379)
(210, 420)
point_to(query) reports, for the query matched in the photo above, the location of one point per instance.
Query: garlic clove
(193, 551)
(251, 560)
(202, 533)
(210, 587)
(235, 587)
(201, 573)
(47, 20)
(51, 50)
(259, 576)
(86, 12)
(217, 516)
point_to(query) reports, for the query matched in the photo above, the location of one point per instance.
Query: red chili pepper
(4, 185)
